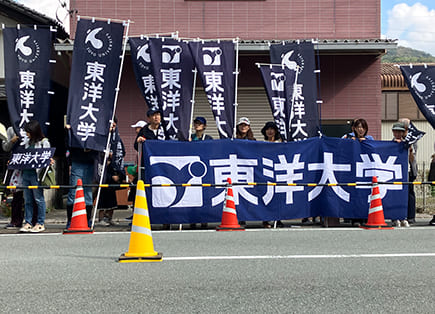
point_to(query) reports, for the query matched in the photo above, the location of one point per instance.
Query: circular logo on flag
(424, 86)
(27, 49)
(144, 56)
(293, 61)
(98, 43)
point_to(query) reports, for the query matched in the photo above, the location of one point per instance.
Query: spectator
(82, 167)
(30, 177)
(16, 179)
(200, 124)
(270, 132)
(115, 174)
(399, 133)
(244, 132)
(412, 173)
(361, 133)
(138, 126)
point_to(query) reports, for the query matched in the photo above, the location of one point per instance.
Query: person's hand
(15, 139)
(51, 161)
(362, 139)
(141, 139)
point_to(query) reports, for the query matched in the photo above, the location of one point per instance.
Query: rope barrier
(221, 185)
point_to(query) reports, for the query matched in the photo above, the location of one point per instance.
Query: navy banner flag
(143, 71)
(305, 119)
(413, 134)
(173, 72)
(279, 84)
(34, 158)
(27, 55)
(421, 83)
(93, 81)
(321, 161)
(215, 62)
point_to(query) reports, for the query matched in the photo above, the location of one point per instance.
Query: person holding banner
(82, 167)
(270, 132)
(412, 171)
(16, 179)
(399, 133)
(244, 132)
(154, 130)
(30, 178)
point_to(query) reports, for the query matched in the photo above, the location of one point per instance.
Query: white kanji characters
(171, 78)
(149, 84)
(328, 168)
(27, 79)
(171, 122)
(45, 155)
(217, 103)
(299, 109)
(34, 157)
(86, 130)
(92, 91)
(213, 81)
(219, 125)
(277, 81)
(25, 116)
(27, 98)
(299, 125)
(239, 170)
(95, 71)
(297, 92)
(385, 171)
(89, 112)
(171, 99)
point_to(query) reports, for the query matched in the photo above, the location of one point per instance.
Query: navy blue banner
(173, 71)
(316, 160)
(413, 134)
(279, 84)
(215, 62)
(305, 119)
(27, 76)
(34, 158)
(93, 81)
(143, 71)
(421, 83)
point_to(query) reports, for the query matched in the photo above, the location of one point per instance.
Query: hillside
(407, 55)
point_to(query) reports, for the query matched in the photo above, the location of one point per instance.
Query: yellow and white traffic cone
(141, 248)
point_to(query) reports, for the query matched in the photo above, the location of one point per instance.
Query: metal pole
(235, 87)
(106, 151)
(195, 71)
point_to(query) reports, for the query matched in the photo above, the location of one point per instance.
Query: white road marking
(321, 256)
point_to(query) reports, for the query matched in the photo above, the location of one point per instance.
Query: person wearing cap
(244, 131)
(200, 124)
(399, 133)
(153, 130)
(138, 125)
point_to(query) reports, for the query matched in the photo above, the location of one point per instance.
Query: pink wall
(271, 19)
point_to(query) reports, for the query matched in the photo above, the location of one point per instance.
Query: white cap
(139, 124)
(244, 120)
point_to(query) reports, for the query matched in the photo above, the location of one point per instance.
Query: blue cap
(152, 111)
(200, 120)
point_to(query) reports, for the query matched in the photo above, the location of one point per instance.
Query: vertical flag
(93, 81)
(279, 83)
(421, 83)
(27, 56)
(215, 61)
(173, 72)
(143, 70)
(305, 120)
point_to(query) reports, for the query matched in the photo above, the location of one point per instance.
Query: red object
(79, 219)
(229, 214)
(376, 212)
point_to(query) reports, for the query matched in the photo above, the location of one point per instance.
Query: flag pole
(195, 71)
(235, 87)
(106, 151)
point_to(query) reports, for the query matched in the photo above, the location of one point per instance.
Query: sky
(411, 22)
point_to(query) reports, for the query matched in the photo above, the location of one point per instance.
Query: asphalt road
(259, 271)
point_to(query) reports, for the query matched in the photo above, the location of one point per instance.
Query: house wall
(271, 19)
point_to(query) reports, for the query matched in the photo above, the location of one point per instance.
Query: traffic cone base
(79, 219)
(126, 258)
(375, 219)
(141, 247)
(229, 214)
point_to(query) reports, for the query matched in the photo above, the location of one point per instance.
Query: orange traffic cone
(376, 212)
(79, 219)
(141, 248)
(229, 214)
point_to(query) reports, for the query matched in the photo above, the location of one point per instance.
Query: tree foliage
(407, 55)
